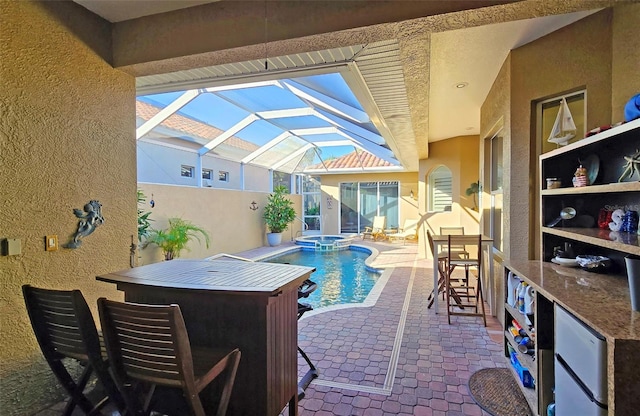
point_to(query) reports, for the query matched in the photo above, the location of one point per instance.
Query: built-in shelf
(519, 316)
(529, 393)
(526, 360)
(594, 189)
(620, 241)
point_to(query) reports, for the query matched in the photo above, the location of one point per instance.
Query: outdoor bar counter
(233, 303)
(602, 303)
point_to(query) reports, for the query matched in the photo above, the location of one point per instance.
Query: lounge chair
(377, 228)
(409, 231)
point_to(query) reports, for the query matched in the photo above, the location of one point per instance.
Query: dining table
(237, 304)
(440, 241)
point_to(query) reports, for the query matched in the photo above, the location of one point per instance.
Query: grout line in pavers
(353, 387)
(395, 352)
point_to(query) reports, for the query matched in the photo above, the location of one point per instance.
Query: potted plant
(176, 237)
(278, 214)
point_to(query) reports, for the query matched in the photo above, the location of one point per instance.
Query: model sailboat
(564, 129)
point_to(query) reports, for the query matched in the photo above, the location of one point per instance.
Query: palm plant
(144, 223)
(175, 238)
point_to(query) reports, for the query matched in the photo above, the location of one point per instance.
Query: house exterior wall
(161, 164)
(68, 136)
(330, 187)
(460, 155)
(227, 216)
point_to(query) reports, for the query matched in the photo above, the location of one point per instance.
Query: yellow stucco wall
(227, 216)
(408, 208)
(461, 156)
(67, 133)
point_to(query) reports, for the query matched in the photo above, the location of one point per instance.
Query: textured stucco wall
(225, 214)
(408, 208)
(461, 156)
(625, 57)
(67, 133)
(574, 57)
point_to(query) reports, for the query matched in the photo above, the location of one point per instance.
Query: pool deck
(392, 356)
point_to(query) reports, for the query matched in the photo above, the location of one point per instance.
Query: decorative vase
(274, 239)
(633, 274)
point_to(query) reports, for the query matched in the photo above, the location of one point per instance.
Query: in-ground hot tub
(324, 242)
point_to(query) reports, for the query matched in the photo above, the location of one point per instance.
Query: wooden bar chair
(443, 271)
(149, 348)
(472, 295)
(65, 329)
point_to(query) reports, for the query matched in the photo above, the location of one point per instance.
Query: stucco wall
(330, 186)
(67, 132)
(461, 156)
(227, 216)
(161, 164)
(625, 57)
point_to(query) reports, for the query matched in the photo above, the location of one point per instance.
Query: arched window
(440, 192)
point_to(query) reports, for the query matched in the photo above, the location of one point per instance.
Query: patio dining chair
(65, 329)
(149, 348)
(443, 272)
(472, 294)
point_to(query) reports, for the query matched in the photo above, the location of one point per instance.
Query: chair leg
(75, 390)
(230, 370)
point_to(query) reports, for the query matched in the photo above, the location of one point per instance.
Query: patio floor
(393, 356)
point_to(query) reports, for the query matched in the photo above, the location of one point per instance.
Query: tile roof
(355, 159)
(190, 126)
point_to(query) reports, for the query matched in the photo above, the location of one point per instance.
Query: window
(282, 179)
(207, 174)
(223, 176)
(440, 190)
(493, 175)
(186, 171)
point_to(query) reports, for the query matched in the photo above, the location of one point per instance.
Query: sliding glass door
(361, 201)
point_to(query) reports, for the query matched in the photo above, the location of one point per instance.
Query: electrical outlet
(51, 242)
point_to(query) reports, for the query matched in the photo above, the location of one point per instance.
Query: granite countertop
(600, 300)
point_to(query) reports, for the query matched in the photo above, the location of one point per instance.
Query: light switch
(13, 247)
(51, 242)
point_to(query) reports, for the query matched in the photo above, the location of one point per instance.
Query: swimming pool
(342, 276)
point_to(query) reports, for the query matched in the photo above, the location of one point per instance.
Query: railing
(305, 227)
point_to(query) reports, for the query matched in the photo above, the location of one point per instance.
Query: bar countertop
(229, 276)
(600, 300)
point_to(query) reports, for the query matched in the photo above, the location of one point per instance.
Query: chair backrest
(430, 238)
(453, 231)
(379, 222)
(64, 327)
(146, 343)
(473, 256)
(62, 323)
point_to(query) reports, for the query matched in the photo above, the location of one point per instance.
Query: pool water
(342, 276)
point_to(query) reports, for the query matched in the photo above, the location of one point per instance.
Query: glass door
(349, 207)
(311, 197)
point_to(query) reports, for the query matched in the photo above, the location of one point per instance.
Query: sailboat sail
(564, 129)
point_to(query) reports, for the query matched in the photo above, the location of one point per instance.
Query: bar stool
(149, 348)
(472, 295)
(64, 327)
